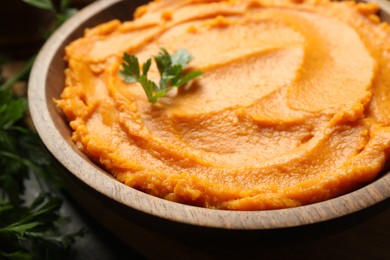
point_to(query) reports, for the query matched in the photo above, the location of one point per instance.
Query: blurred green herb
(27, 230)
(21, 75)
(170, 68)
(61, 13)
(30, 228)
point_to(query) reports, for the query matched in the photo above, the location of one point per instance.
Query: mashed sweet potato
(293, 107)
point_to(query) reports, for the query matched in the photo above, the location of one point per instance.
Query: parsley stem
(24, 162)
(19, 76)
(170, 68)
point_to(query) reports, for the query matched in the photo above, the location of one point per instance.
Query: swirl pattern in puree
(293, 107)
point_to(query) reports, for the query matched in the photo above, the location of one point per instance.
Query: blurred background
(23, 27)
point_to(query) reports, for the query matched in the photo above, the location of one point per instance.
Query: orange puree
(293, 107)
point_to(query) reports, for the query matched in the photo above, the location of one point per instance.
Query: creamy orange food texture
(293, 107)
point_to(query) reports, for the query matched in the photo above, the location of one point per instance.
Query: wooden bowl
(47, 82)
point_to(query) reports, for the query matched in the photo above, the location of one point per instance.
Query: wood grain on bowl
(47, 82)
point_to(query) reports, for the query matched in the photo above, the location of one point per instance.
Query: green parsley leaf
(130, 72)
(181, 57)
(170, 68)
(10, 110)
(42, 4)
(146, 66)
(36, 232)
(27, 230)
(189, 76)
(64, 4)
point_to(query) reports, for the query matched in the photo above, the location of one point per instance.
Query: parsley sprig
(28, 230)
(170, 68)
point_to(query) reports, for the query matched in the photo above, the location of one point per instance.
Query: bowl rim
(67, 154)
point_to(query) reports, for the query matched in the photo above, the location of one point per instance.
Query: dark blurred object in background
(20, 23)
(22, 26)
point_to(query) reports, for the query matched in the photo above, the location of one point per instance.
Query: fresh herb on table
(170, 68)
(30, 225)
(28, 229)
